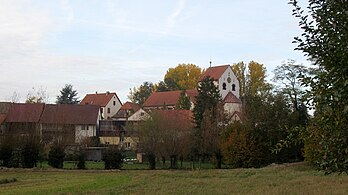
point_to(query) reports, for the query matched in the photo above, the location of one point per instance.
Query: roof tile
(215, 72)
(100, 99)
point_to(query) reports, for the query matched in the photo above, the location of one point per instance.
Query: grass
(298, 179)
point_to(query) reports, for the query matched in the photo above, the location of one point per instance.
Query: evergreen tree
(67, 95)
(184, 102)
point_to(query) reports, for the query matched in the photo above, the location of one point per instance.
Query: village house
(71, 123)
(115, 131)
(65, 122)
(108, 102)
(168, 100)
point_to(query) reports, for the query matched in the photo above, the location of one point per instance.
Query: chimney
(107, 92)
(96, 92)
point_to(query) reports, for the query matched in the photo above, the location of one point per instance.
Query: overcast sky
(115, 45)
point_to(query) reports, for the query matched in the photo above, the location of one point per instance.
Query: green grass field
(297, 179)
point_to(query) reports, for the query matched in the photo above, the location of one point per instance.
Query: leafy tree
(289, 75)
(67, 95)
(56, 155)
(39, 96)
(207, 99)
(184, 102)
(252, 79)
(205, 110)
(325, 41)
(140, 94)
(113, 158)
(183, 76)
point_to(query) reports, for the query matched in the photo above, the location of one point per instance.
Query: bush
(6, 154)
(112, 158)
(81, 157)
(152, 161)
(56, 156)
(30, 152)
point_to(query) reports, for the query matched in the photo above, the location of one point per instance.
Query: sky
(115, 45)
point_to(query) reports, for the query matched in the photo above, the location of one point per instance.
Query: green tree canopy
(325, 41)
(67, 95)
(184, 102)
(140, 94)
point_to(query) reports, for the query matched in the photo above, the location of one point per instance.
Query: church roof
(231, 98)
(215, 72)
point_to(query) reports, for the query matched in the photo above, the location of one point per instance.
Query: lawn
(297, 179)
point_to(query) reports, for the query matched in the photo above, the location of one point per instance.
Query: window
(84, 127)
(142, 114)
(101, 110)
(108, 110)
(107, 143)
(233, 87)
(224, 86)
(87, 127)
(114, 103)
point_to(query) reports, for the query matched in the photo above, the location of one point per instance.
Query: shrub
(56, 156)
(6, 154)
(81, 157)
(30, 152)
(112, 158)
(152, 161)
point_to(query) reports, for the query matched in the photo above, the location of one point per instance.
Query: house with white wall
(108, 102)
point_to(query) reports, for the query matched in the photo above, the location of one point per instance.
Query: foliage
(182, 77)
(39, 96)
(81, 164)
(325, 41)
(207, 99)
(184, 102)
(67, 95)
(30, 152)
(6, 149)
(56, 155)
(140, 94)
(112, 158)
(289, 75)
(240, 148)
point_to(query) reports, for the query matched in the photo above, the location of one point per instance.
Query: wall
(113, 108)
(234, 80)
(81, 133)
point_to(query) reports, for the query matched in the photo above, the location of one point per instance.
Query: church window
(224, 86)
(233, 87)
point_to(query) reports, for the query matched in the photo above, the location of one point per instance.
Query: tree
(206, 109)
(67, 95)
(289, 75)
(252, 79)
(184, 102)
(256, 80)
(39, 96)
(183, 76)
(140, 94)
(56, 155)
(325, 41)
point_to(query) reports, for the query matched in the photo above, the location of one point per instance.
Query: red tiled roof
(2, 118)
(130, 106)
(126, 110)
(231, 98)
(24, 113)
(70, 114)
(179, 116)
(100, 99)
(4, 107)
(215, 72)
(192, 93)
(169, 98)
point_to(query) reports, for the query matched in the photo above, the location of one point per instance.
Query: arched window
(224, 86)
(233, 87)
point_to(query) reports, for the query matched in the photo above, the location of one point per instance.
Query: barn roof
(70, 114)
(24, 113)
(168, 98)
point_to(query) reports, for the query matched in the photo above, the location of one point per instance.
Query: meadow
(294, 179)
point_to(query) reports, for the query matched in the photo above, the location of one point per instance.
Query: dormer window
(114, 103)
(224, 86)
(233, 87)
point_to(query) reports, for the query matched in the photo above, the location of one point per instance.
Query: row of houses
(104, 115)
